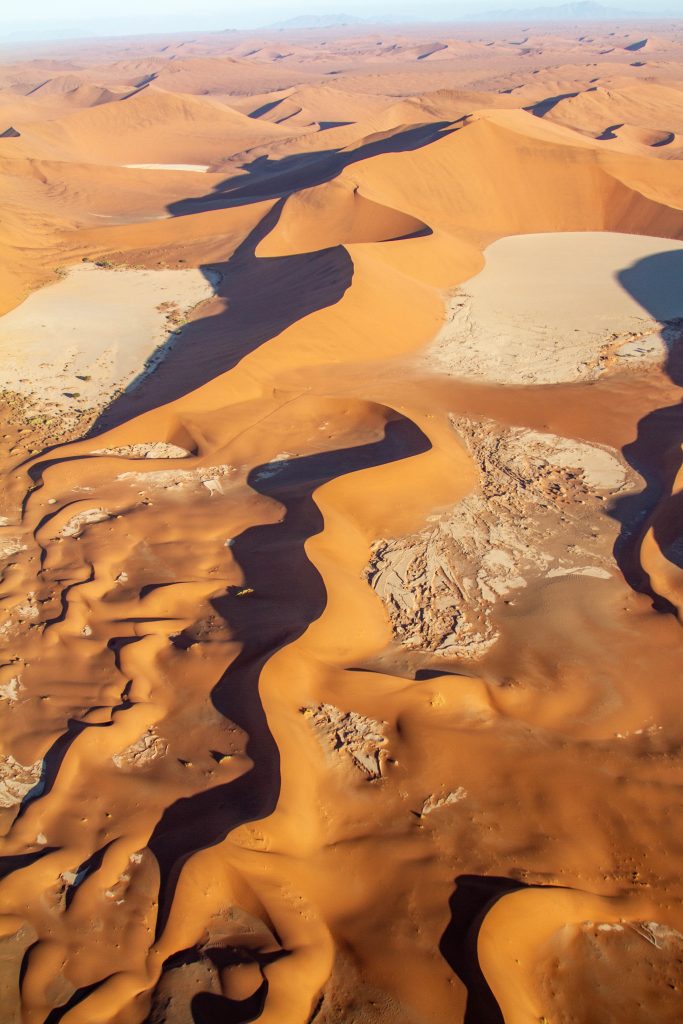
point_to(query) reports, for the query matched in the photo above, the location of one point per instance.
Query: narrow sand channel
(562, 306)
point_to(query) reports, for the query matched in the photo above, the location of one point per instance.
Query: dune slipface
(340, 527)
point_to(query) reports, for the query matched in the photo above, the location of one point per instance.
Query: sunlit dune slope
(651, 107)
(339, 678)
(503, 173)
(149, 126)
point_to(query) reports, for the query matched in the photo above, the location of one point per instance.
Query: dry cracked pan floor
(538, 512)
(340, 536)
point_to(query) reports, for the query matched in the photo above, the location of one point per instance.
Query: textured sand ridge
(340, 526)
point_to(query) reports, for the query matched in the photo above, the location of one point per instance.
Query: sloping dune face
(340, 528)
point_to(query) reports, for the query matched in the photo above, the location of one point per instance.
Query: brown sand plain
(341, 527)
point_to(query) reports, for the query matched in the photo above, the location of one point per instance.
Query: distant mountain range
(318, 21)
(16, 31)
(585, 10)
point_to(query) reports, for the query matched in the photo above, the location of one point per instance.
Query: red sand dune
(341, 534)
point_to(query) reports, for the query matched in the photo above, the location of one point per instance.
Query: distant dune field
(341, 542)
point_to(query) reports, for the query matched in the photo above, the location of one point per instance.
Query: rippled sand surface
(340, 529)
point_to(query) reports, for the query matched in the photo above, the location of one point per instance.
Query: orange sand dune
(654, 108)
(340, 534)
(149, 126)
(39, 242)
(45, 103)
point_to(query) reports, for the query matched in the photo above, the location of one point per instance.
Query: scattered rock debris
(19, 617)
(74, 526)
(148, 450)
(211, 477)
(434, 803)
(17, 780)
(10, 546)
(347, 732)
(10, 690)
(537, 513)
(656, 934)
(149, 748)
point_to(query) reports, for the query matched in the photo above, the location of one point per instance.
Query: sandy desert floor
(341, 537)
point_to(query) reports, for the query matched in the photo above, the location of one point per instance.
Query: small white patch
(74, 526)
(17, 780)
(146, 450)
(10, 691)
(585, 570)
(143, 752)
(276, 465)
(11, 546)
(213, 486)
(656, 934)
(434, 803)
(196, 168)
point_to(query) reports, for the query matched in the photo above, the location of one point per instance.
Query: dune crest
(340, 533)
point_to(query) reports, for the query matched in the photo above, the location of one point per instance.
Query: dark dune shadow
(544, 107)
(324, 126)
(666, 140)
(266, 108)
(56, 1015)
(17, 861)
(288, 594)
(473, 898)
(56, 753)
(207, 1008)
(276, 179)
(656, 282)
(263, 295)
(609, 133)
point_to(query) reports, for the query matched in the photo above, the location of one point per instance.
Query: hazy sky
(78, 17)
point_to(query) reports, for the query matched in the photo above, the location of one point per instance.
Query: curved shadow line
(262, 295)
(655, 455)
(470, 903)
(211, 346)
(265, 178)
(290, 594)
(55, 755)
